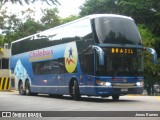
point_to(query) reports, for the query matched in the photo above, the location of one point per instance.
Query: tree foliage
(69, 18)
(21, 2)
(151, 71)
(98, 6)
(50, 18)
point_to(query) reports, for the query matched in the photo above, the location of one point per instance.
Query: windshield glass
(116, 30)
(121, 62)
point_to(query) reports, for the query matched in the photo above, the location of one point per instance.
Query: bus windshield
(121, 62)
(116, 30)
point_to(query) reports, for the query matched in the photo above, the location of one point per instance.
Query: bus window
(5, 63)
(62, 68)
(87, 62)
(83, 30)
(116, 64)
(117, 31)
(49, 67)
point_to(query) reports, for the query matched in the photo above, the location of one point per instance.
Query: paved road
(12, 101)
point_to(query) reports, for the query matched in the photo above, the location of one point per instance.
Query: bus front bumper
(103, 91)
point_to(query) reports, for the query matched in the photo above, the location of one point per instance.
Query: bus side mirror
(100, 54)
(153, 53)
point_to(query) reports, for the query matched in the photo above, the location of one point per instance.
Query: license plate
(124, 89)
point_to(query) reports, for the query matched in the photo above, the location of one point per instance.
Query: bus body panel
(120, 85)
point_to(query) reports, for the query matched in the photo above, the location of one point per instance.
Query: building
(4, 68)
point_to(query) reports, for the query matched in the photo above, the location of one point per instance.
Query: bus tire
(76, 92)
(115, 97)
(28, 89)
(21, 89)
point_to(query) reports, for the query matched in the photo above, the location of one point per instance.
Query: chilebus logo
(70, 57)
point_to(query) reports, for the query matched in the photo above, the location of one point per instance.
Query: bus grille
(124, 85)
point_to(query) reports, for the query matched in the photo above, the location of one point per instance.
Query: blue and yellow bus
(97, 55)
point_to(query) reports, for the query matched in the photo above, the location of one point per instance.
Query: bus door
(87, 64)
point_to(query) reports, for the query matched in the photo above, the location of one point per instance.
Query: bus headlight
(139, 83)
(108, 84)
(102, 83)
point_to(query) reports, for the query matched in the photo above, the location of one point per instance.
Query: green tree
(1, 39)
(49, 2)
(50, 18)
(151, 70)
(21, 30)
(143, 11)
(8, 23)
(28, 28)
(69, 19)
(98, 6)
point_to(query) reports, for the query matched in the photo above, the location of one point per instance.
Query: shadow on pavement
(89, 99)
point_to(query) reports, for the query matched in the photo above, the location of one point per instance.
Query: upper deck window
(79, 31)
(117, 30)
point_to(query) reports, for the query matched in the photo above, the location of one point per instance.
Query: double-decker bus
(97, 55)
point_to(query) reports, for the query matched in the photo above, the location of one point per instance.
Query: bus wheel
(75, 91)
(27, 88)
(21, 89)
(115, 97)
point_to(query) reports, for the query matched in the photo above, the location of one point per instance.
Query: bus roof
(89, 17)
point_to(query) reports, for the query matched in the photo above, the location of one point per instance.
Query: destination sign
(122, 50)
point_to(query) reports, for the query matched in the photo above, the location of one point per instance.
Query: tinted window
(87, 62)
(49, 67)
(122, 61)
(84, 36)
(117, 30)
(68, 33)
(83, 29)
(78, 31)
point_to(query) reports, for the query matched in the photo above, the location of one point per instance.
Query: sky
(67, 7)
